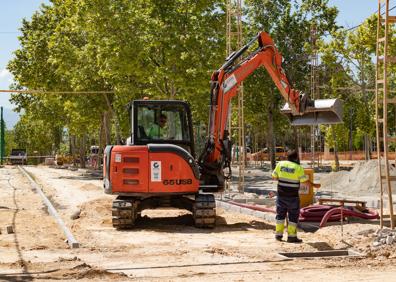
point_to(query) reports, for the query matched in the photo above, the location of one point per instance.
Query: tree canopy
(125, 50)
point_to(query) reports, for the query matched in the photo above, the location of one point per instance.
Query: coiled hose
(320, 213)
(324, 213)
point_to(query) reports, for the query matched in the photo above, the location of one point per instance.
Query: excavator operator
(159, 130)
(290, 174)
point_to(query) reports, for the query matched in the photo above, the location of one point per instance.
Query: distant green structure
(2, 139)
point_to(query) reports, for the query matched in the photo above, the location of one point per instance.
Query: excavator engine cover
(325, 111)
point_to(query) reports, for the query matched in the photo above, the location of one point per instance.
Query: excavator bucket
(325, 111)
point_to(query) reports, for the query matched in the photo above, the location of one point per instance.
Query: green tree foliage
(9, 142)
(160, 49)
(168, 50)
(33, 135)
(349, 73)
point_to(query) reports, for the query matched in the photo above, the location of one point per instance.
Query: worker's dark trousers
(289, 206)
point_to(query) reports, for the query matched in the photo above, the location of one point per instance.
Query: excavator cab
(162, 122)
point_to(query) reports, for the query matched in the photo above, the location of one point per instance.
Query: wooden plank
(391, 20)
(391, 177)
(389, 101)
(342, 201)
(389, 59)
(390, 139)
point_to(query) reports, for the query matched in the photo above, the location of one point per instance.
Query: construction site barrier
(321, 156)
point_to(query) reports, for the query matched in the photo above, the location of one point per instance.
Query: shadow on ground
(81, 177)
(185, 224)
(321, 246)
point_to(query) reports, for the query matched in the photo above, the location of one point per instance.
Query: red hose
(319, 213)
(316, 213)
(372, 214)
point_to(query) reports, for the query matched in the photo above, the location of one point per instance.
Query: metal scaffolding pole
(383, 101)
(2, 137)
(314, 91)
(234, 41)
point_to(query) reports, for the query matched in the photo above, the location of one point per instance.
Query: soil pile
(361, 180)
(98, 210)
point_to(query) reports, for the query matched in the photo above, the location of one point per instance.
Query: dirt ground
(164, 246)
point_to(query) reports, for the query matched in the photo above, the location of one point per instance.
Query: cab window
(162, 123)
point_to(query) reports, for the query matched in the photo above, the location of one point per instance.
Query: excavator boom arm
(224, 86)
(225, 82)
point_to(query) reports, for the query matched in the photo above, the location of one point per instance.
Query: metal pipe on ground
(52, 211)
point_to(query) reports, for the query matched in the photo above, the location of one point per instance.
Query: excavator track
(124, 213)
(204, 211)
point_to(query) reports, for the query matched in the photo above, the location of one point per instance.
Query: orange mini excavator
(158, 168)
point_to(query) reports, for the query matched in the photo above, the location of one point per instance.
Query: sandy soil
(164, 245)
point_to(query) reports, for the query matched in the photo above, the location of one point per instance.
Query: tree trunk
(116, 119)
(270, 136)
(350, 144)
(70, 145)
(366, 147)
(57, 134)
(172, 90)
(336, 159)
(296, 139)
(107, 127)
(73, 148)
(100, 139)
(82, 150)
(326, 154)
(350, 135)
(117, 129)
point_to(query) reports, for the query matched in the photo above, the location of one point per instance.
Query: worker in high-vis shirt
(290, 175)
(159, 130)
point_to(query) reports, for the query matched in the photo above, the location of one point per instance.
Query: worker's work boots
(294, 240)
(292, 233)
(280, 227)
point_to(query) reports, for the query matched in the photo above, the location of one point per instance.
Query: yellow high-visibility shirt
(289, 176)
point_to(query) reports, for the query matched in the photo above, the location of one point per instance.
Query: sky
(351, 13)
(11, 14)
